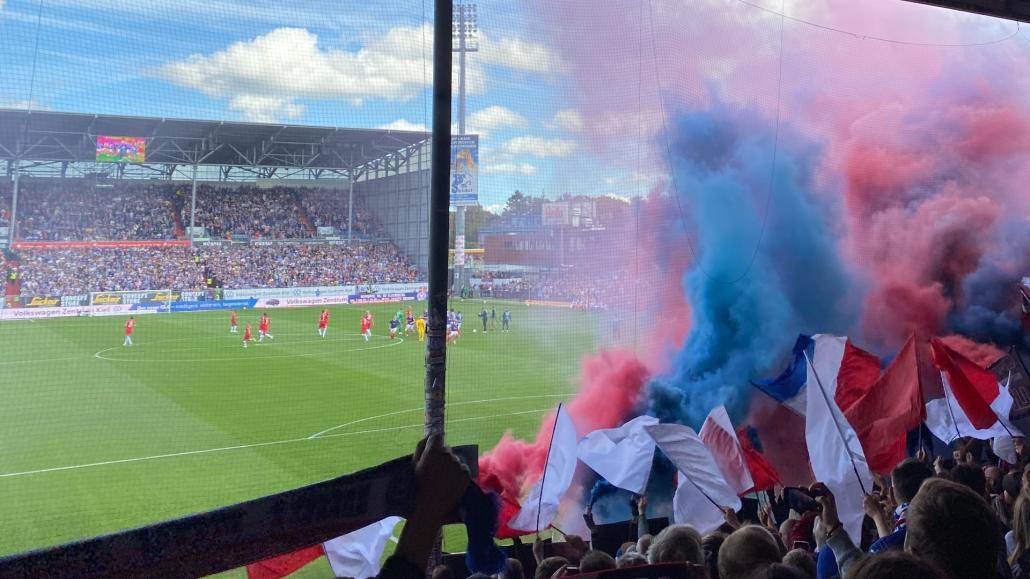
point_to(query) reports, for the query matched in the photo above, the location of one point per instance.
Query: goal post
(117, 303)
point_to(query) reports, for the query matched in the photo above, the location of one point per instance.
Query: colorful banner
(301, 302)
(464, 169)
(203, 306)
(99, 244)
(42, 302)
(121, 149)
(382, 298)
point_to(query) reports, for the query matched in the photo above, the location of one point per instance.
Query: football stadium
(702, 289)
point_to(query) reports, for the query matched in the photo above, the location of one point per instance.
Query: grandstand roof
(57, 136)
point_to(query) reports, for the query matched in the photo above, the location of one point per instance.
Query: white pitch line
(254, 445)
(449, 404)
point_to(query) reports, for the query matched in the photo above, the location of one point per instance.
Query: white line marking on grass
(254, 445)
(449, 404)
(241, 357)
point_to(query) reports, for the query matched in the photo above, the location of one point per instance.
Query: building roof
(57, 136)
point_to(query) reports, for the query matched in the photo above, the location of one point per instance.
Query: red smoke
(982, 354)
(611, 384)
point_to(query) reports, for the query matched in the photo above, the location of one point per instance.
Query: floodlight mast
(464, 39)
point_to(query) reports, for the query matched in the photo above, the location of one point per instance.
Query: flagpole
(840, 430)
(543, 477)
(703, 493)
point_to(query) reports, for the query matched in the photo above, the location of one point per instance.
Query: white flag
(718, 435)
(623, 455)
(541, 505)
(833, 447)
(702, 489)
(357, 554)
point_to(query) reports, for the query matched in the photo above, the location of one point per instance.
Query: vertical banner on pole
(464, 170)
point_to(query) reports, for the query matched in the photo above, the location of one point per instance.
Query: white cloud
(567, 120)
(265, 109)
(289, 64)
(404, 125)
(494, 117)
(538, 147)
(518, 54)
(24, 104)
(526, 169)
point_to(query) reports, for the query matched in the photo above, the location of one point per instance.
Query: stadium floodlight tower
(464, 39)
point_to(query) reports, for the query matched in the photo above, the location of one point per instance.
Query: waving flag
(789, 387)
(357, 554)
(718, 435)
(541, 505)
(622, 455)
(702, 489)
(833, 446)
(974, 403)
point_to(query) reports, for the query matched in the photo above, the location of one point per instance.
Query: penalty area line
(253, 445)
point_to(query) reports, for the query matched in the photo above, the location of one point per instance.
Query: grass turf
(96, 437)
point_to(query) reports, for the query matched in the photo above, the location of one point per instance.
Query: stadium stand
(81, 211)
(328, 208)
(259, 213)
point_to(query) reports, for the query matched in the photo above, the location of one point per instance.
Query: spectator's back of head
(951, 526)
(676, 543)
(443, 572)
(594, 560)
(748, 551)
(907, 477)
(778, 571)
(801, 560)
(971, 477)
(512, 570)
(1012, 483)
(894, 565)
(711, 544)
(631, 560)
(549, 566)
(479, 576)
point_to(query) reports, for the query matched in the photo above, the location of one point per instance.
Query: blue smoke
(748, 305)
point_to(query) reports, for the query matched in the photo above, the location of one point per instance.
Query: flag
(718, 435)
(834, 449)
(702, 489)
(622, 455)
(541, 504)
(894, 405)
(357, 554)
(762, 472)
(285, 564)
(789, 387)
(509, 509)
(974, 403)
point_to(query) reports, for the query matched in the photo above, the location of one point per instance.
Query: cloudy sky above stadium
(352, 64)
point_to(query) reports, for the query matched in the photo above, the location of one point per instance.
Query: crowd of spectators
(580, 291)
(68, 271)
(329, 208)
(55, 272)
(961, 517)
(307, 265)
(248, 211)
(84, 211)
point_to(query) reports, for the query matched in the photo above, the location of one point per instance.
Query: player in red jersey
(130, 325)
(263, 325)
(232, 323)
(323, 323)
(366, 326)
(246, 334)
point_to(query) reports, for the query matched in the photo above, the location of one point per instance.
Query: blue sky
(337, 63)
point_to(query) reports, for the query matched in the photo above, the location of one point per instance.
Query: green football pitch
(96, 437)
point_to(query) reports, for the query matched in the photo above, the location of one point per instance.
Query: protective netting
(657, 197)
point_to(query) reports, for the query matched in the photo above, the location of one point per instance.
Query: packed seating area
(328, 208)
(85, 210)
(249, 211)
(74, 271)
(77, 211)
(306, 265)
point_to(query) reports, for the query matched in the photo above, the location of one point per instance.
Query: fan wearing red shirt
(366, 326)
(130, 325)
(323, 323)
(263, 325)
(246, 334)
